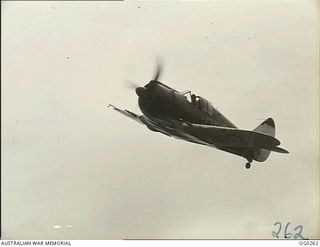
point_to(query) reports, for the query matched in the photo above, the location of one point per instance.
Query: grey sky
(68, 161)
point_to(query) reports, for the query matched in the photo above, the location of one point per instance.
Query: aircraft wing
(128, 114)
(224, 137)
(233, 140)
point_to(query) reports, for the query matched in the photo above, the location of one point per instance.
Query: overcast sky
(74, 169)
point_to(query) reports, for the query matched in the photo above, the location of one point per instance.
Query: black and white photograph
(160, 120)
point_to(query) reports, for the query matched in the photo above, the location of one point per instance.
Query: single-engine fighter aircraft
(195, 120)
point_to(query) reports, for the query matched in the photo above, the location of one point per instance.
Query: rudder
(266, 127)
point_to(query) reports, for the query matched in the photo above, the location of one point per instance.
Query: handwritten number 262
(297, 230)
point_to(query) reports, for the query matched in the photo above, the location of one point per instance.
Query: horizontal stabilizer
(279, 150)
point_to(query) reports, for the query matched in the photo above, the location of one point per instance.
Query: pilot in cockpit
(195, 101)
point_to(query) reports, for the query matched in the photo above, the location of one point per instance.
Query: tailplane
(279, 150)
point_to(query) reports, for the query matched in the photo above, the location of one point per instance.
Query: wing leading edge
(128, 114)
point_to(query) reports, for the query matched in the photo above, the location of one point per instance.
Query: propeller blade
(158, 71)
(131, 84)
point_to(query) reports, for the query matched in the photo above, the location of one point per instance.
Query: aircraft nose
(140, 91)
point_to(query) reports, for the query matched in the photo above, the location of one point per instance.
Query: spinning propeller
(131, 84)
(142, 90)
(158, 71)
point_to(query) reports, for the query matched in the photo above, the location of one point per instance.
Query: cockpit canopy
(199, 102)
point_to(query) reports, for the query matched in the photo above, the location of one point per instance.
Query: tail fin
(268, 128)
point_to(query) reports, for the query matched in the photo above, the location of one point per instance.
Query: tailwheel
(248, 165)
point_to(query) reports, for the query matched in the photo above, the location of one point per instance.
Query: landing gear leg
(248, 165)
(249, 156)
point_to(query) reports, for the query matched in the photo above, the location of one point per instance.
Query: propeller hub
(140, 91)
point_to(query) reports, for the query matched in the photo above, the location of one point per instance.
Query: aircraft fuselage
(157, 100)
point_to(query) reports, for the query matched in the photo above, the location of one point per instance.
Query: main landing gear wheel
(248, 165)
